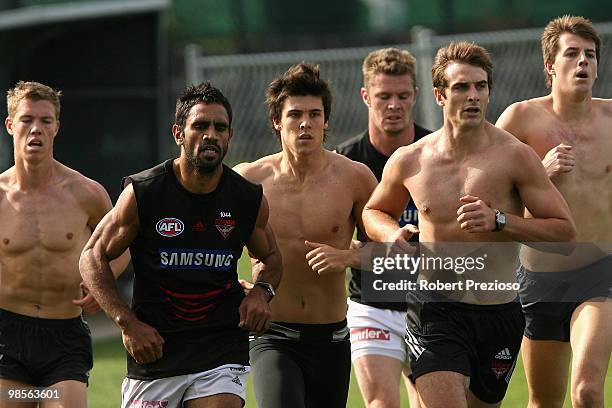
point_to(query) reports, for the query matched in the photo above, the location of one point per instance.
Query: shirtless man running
(470, 182)
(570, 131)
(316, 197)
(47, 212)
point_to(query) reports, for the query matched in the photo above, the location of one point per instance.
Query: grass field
(109, 369)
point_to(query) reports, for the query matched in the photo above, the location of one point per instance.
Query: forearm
(268, 269)
(539, 229)
(98, 276)
(378, 224)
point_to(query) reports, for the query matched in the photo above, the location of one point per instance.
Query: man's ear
(365, 97)
(277, 125)
(549, 67)
(178, 134)
(8, 123)
(231, 133)
(439, 96)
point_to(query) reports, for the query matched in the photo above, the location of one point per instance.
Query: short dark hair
(464, 52)
(300, 80)
(576, 25)
(195, 94)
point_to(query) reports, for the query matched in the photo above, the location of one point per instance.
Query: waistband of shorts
(37, 321)
(495, 308)
(570, 273)
(331, 332)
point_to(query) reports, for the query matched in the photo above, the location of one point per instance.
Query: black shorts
(550, 298)
(481, 342)
(42, 352)
(302, 365)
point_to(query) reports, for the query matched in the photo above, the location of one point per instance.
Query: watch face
(502, 218)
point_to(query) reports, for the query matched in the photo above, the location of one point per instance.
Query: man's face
(302, 124)
(466, 97)
(390, 99)
(206, 136)
(33, 127)
(575, 65)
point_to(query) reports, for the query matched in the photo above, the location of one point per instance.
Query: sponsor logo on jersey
(409, 216)
(169, 227)
(198, 226)
(369, 333)
(196, 258)
(237, 381)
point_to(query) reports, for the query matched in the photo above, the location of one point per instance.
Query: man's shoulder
(603, 106)
(88, 192)
(525, 109)
(259, 170)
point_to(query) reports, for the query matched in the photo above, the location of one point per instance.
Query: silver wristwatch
(500, 221)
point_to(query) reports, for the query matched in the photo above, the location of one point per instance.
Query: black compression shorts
(43, 352)
(302, 365)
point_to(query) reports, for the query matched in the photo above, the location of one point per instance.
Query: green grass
(109, 369)
(110, 366)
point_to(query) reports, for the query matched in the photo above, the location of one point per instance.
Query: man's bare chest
(52, 224)
(314, 211)
(437, 190)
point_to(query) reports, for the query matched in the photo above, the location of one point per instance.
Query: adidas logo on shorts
(236, 380)
(504, 355)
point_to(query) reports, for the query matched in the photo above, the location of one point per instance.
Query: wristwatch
(268, 288)
(500, 221)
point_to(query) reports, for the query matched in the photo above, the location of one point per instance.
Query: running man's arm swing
(109, 240)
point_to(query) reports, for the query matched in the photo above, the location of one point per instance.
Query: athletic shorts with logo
(550, 298)
(43, 352)
(376, 331)
(175, 391)
(302, 365)
(478, 341)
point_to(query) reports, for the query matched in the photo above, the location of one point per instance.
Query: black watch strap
(268, 288)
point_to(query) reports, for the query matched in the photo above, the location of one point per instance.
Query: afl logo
(170, 227)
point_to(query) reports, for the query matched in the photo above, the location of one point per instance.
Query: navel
(6, 241)
(608, 168)
(335, 229)
(69, 235)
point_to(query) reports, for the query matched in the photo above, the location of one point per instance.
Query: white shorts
(376, 331)
(172, 392)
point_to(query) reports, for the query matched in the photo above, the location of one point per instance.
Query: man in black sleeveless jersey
(186, 222)
(389, 91)
(316, 198)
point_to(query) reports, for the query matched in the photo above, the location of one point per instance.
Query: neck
(195, 181)
(301, 165)
(30, 176)
(572, 105)
(461, 140)
(387, 143)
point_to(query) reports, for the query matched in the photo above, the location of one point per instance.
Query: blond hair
(34, 91)
(390, 61)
